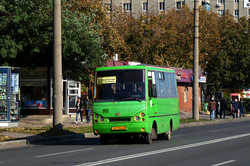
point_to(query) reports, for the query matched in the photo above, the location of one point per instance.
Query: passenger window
(151, 84)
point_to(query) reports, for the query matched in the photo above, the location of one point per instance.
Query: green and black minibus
(137, 100)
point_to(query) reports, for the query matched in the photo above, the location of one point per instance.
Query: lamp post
(58, 93)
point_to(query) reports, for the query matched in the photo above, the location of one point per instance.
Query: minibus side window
(151, 84)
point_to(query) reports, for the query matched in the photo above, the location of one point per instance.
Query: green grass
(5, 138)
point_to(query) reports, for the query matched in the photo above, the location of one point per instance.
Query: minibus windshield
(120, 85)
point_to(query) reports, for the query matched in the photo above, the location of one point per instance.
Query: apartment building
(238, 8)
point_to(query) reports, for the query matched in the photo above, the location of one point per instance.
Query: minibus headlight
(96, 116)
(101, 119)
(142, 114)
(136, 118)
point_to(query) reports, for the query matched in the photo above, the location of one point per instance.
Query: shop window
(35, 97)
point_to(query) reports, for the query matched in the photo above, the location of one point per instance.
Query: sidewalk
(47, 120)
(36, 121)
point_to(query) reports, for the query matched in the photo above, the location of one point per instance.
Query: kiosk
(9, 96)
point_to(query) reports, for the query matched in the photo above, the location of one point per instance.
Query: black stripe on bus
(163, 115)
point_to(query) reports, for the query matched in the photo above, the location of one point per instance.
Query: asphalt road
(213, 145)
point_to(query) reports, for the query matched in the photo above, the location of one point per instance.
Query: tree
(228, 67)
(82, 47)
(26, 31)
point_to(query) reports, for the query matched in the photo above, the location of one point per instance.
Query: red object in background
(234, 94)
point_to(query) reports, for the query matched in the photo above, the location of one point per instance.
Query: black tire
(154, 134)
(148, 138)
(169, 134)
(166, 135)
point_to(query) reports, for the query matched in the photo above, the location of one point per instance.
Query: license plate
(119, 128)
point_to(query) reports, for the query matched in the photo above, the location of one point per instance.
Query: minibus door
(152, 95)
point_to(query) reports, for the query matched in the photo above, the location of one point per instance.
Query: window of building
(127, 6)
(180, 4)
(236, 12)
(236, 1)
(162, 6)
(145, 6)
(220, 12)
(186, 95)
(221, 1)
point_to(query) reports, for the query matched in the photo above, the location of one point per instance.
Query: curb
(53, 139)
(90, 135)
(216, 121)
(13, 144)
(247, 115)
(39, 140)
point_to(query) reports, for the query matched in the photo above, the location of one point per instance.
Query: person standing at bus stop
(86, 103)
(78, 108)
(235, 107)
(212, 108)
(223, 108)
(241, 107)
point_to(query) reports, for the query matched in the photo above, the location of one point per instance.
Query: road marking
(226, 162)
(111, 160)
(60, 153)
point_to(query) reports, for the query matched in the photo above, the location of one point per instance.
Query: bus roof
(141, 66)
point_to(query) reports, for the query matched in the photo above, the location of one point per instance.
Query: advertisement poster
(3, 79)
(15, 82)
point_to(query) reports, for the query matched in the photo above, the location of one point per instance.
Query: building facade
(237, 8)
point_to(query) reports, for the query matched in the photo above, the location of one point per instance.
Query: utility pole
(196, 62)
(58, 98)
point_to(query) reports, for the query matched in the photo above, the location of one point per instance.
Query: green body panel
(160, 111)
(125, 109)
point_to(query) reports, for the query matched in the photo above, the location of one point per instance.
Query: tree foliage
(27, 36)
(25, 31)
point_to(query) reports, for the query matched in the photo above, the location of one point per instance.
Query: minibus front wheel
(148, 137)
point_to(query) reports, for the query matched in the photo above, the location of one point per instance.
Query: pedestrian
(212, 108)
(217, 112)
(223, 108)
(78, 108)
(87, 108)
(235, 108)
(241, 107)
